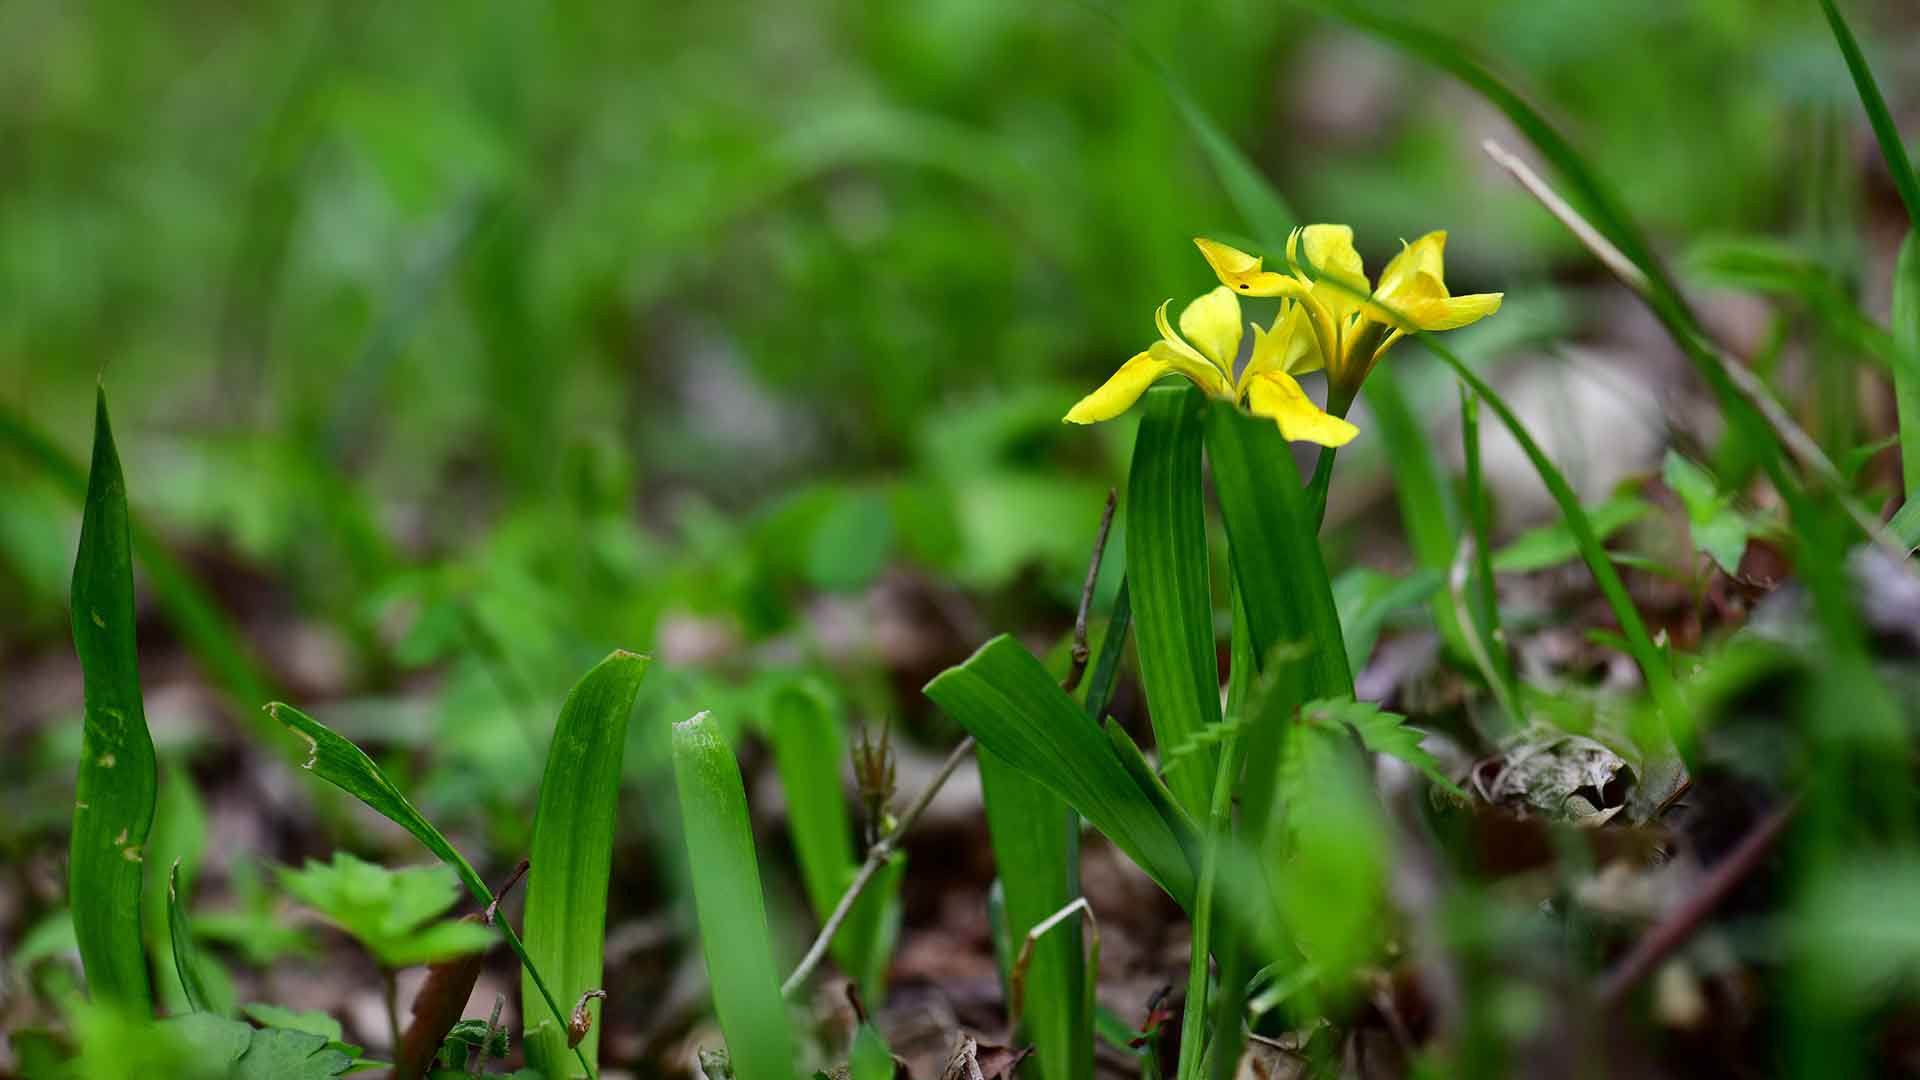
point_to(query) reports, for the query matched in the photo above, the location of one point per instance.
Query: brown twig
(883, 849)
(519, 871)
(1081, 653)
(1673, 932)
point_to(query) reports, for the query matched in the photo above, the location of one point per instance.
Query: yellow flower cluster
(1330, 317)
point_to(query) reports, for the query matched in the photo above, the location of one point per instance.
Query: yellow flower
(1352, 322)
(1205, 355)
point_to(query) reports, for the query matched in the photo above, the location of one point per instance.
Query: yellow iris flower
(1205, 355)
(1351, 321)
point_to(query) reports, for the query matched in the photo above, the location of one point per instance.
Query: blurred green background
(476, 339)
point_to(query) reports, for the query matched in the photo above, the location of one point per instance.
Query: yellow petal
(1119, 393)
(1340, 278)
(1425, 303)
(1212, 325)
(1289, 346)
(1180, 357)
(1278, 397)
(1241, 272)
(1425, 254)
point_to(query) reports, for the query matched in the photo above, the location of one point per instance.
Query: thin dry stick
(1662, 940)
(1791, 434)
(1080, 651)
(883, 849)
(1019, 976)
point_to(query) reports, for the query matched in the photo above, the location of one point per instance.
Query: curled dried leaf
(582, 1020)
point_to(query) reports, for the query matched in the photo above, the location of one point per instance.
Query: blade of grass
(339, 762)
(115, 788)
(732, 911)
(208, 632)
(1653, 664)
(1906, 364)
(1167, 571)
(1482, 603)
(1032, 832)
(1426, 513)
(1193, 1040)
(186, 955)
(572, 850)
(1885, 132)
(808, 748)
(1013, 707)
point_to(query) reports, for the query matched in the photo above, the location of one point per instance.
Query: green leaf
(1718, 529)
(1167, 576)
(1426, 513)
(1383, 732)
(311, 1021)
(206, 630)
(1483, 604)
(1007, 701)
(1035, 847)
(1276, 552)
(1553, 544)
(1366, 598)
(872, 1059)
(726, 894)
(809, 748)
(1885, 131)
(344, 765)
(114, 792)
(388, 911)
(283, 1054)
(186, 956)
(1906, 361)
(572, 850)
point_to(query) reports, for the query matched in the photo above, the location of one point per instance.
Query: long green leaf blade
(1276, 551)
(1007, 701)
(1167, 573)
(114, 793)
(1032, 832)
(1906, 361)
(1885, 132)
(186, 955)
(339, 762)
(572, 852)
(726, 892)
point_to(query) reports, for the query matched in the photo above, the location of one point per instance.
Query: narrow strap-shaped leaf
(335, 759)
(1885, 132)
(1032, 832)
(732, 910)
(1167, 572)
(186, 956)
(572, 851)
(1426, 513)
(1276, 552)
(1906, 361)
(1008, 702)
(114, 792)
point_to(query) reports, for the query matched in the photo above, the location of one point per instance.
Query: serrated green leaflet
(339, 762)
(572, 850)
(726, 893)
(1007, 701)
(1167, 576)
(114, 791)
